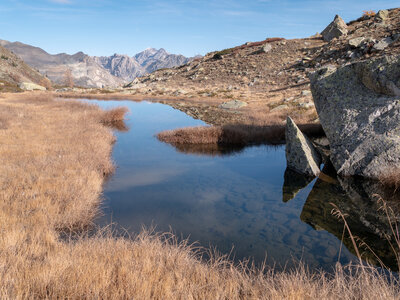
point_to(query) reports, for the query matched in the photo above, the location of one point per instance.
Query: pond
(239, 201)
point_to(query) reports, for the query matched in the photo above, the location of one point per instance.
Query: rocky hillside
(16, 75)
(85, 70)
(272, 75)
(147, 61)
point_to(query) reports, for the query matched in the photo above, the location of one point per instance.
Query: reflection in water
(227, 201)
(354, 198)
(119, 125)
(208, 149)
(293, 183)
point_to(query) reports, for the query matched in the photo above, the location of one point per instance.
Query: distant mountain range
(147, 61)
(94, 71)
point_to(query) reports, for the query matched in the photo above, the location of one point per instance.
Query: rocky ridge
(147, 61)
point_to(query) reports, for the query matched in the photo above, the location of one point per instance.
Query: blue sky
(189, 27)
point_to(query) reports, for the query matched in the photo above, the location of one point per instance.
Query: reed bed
(234, 134)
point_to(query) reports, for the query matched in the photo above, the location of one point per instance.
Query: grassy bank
(54, 156)
(234, 134)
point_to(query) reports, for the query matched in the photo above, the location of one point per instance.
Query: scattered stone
(335, 29)
(382, 15)
(280, 107)
(305, 93)
(359, 108)
(306, 104)
(356, 42)
(234, 104)
(266, 48)
(301, 155)
(29, 86)
(382, 44)
(288, 99)
(351, 54)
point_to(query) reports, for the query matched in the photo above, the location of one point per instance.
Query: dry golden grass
(391, 178)
(53, 159)
(233, 134)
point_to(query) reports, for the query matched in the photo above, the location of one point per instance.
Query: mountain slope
(14, 71)
(85, 70)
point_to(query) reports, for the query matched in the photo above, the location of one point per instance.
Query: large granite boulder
(359, 109)
(335, 29)
(301, 155)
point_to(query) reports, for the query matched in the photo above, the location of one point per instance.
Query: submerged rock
(301, 155)
(359, 109)
(335, 29)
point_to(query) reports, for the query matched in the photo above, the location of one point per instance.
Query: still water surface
(230, 201)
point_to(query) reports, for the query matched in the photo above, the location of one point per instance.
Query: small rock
(351, 54)
(382, 15)
(288, 99)
(305, 93)
(29, 86)
(335, 29)
(356, 42)
(234, 104)
(301, 155)
(307, 104)
(280, 107)
(382, 44)
(266, 48)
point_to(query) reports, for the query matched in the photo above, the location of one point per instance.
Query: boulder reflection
(293, 183)
(356, 199)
